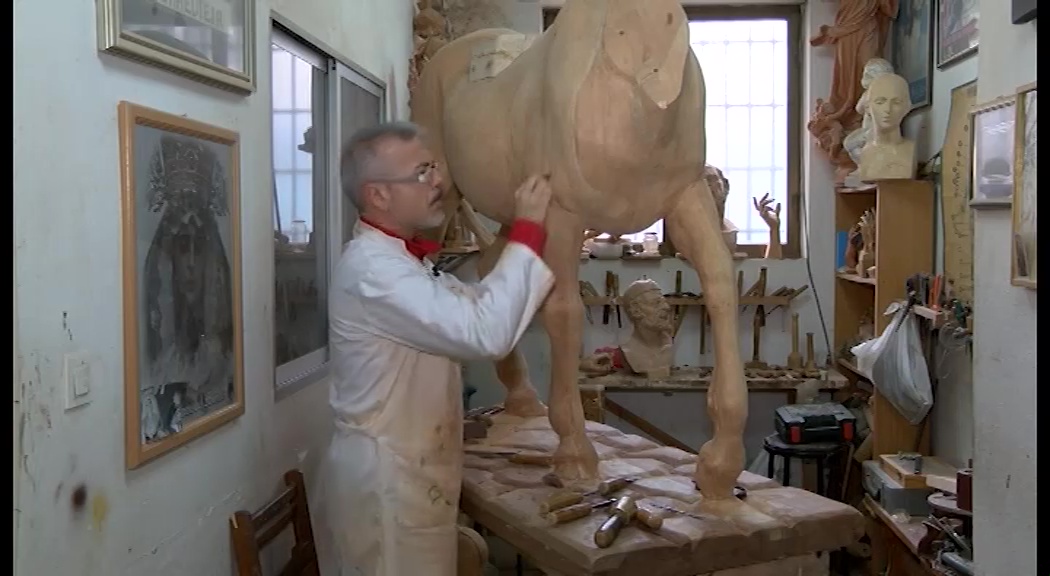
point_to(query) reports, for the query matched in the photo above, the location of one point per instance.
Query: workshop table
(780, 526)
(596, 404)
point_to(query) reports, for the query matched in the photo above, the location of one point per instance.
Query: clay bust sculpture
(888, 154)
(855, 141)
(609, 103)
(650, 350)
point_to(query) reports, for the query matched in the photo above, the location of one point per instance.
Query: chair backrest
(252, 532)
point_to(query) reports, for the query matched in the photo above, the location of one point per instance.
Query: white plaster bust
(887, 154)
(855, 141)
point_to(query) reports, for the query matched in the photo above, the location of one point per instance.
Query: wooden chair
(251, 532)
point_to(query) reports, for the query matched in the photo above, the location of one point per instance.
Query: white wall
(169, 517)
(952, 417)
(685, 415)
(1004, 368)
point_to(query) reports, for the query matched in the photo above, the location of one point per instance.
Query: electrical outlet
(78, 380)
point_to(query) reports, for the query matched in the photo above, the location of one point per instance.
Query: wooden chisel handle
(531, 459)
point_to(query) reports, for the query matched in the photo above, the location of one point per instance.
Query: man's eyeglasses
(422, 176)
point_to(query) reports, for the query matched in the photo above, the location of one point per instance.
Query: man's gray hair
(357, 162)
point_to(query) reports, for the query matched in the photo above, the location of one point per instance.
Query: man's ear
(376, 196)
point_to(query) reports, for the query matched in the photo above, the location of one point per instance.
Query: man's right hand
(532, 199)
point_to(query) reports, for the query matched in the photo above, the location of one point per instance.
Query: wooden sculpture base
(773, 524)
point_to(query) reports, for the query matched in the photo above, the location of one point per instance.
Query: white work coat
(397, 332)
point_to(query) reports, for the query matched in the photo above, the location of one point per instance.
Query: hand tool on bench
(609, 289)
(703, 328)
(811, 354)
(794, 360)
(790, 293)
(756, 362)
(758, 289)
(679, 311)
(521, 458)
(570, 513)
(648, 519)
(587, 291)
(620, 515)
(567, 498)
(616, 298)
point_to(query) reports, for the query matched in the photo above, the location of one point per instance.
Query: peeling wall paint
(77, 510)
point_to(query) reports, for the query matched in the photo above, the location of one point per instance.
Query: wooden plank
(906, 477)
(692, 379)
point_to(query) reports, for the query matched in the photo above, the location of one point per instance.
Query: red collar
(417, 246)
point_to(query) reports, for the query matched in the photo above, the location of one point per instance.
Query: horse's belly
(479, 149)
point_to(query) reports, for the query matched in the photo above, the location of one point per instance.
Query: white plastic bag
(895, 364)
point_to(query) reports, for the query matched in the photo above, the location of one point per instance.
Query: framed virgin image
(1024, 232)
(180, 244)
(911, 49)
(958, 30)
(212, 41)
(992, 129)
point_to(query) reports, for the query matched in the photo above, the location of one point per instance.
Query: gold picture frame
(992, 127)
(1023, 230)
(211, 41)
(181, 258)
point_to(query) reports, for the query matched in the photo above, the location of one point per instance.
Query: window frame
(313, 367)
(792, 13)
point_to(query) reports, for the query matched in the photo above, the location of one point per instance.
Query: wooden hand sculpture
(771, 216)
(609, 102)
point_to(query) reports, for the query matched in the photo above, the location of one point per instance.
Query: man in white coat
(398, 332)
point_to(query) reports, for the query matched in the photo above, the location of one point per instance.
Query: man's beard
(434, 220)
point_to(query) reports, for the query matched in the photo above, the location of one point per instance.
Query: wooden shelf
(694, 300)
(856, 279)
(937, 318)
(904, 221)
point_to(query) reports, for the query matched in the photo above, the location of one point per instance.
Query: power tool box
(809, 423)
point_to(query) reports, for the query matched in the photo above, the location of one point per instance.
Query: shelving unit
(904, 225)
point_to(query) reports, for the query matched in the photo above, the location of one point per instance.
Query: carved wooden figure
(608, 103)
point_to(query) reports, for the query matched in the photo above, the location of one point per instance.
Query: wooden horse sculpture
(609, 102)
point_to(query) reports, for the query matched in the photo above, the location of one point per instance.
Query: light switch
(78, 380)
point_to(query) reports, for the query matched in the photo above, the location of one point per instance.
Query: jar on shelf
(650, 244)
(299, 234)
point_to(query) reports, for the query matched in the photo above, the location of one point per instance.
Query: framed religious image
(1024, 233)
(992, 130)
(911, 49)
(958, 30)
(180, 209)
(212, 41)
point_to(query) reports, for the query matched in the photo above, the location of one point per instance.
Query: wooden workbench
(593, 392)
(772, 525)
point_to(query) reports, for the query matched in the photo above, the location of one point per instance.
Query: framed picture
(911, 49)
(992, 129)
(957, 30)
(180, 209)
(1022, 11)
(1025, 239)
(212, 41)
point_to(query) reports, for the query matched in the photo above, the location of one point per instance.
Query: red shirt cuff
(529, 233)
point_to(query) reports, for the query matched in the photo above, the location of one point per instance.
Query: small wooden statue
(866, 255)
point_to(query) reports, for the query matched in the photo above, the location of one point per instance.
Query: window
(317, 103)
(751, 64)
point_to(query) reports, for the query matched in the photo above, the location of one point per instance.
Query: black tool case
(809, 423)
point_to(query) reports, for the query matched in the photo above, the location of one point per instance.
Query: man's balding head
(360, 160)
(391, 178)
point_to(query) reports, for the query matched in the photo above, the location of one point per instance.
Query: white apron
(394, 467)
